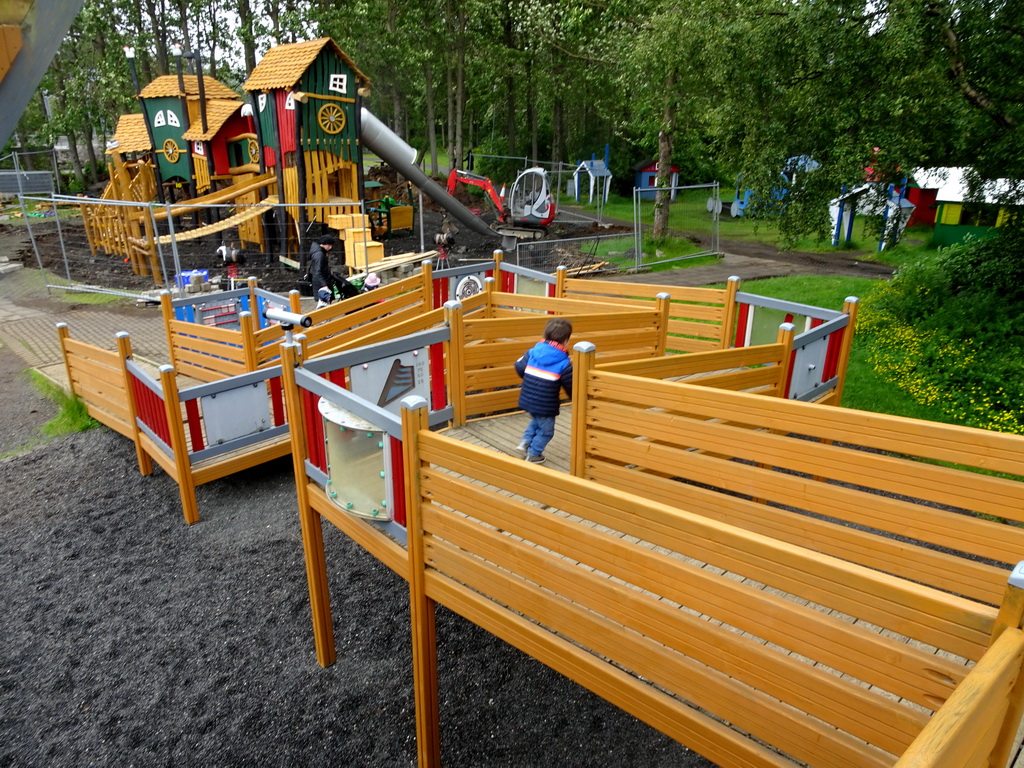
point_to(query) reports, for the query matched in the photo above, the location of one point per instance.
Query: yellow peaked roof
(167, 85)
(131, 135)
(217, 113)
(284, 65)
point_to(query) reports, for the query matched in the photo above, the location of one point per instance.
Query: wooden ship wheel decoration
(331, 118)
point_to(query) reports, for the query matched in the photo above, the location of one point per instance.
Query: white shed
(600, 179)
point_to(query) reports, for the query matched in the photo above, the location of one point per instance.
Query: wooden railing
(700, 319)
(197, 434)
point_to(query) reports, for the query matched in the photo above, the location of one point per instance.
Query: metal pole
(637, 229)
(174, 242)
(60, 236)
(32, 237)
(422, 243)
(159, 249)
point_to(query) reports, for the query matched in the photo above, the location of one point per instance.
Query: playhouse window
(339, 83)
(979, 215)
(652, 180)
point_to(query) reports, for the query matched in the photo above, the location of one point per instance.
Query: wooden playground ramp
(770, 582)
(767, 581)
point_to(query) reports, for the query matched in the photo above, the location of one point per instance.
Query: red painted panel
(741, 325)
(276, 401)
(397, 480)
(438, 394)
(195, 428)
(285, 122)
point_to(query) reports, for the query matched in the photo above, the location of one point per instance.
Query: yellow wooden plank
(844, 704)
(676, 433)
(938, 569)
(953, 733)
(863, 654)
(710, 738)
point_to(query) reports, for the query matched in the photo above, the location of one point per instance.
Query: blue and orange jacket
(545, 369)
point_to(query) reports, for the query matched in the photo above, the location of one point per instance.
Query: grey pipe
(380, 139)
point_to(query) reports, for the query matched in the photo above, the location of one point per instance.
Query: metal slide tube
(380, 139)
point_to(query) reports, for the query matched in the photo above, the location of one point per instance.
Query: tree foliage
(736, 87)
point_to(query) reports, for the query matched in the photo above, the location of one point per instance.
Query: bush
(947, 332)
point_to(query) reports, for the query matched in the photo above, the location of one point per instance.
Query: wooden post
(849, 308)
(583, 355)
(62, 335)
(664, 305)
(124, 353)
(561, 275)
(421, 607)
(309, 520)
(168, 314)
(246, 328)
(786, 333)
(427, 275)
(489, 287)
(1011, 616)
(182, 462)
(295, 301)
(252, 282)
(456, 364)
(732, 287)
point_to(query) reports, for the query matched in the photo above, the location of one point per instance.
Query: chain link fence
(693, 232)
(137, 249)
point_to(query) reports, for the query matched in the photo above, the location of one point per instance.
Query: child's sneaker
(538, 459)
(522, 449)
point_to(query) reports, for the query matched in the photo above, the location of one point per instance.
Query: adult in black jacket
(322, 280)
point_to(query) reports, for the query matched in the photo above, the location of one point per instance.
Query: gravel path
(129, 638)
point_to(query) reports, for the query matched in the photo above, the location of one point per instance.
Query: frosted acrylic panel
(236, 412)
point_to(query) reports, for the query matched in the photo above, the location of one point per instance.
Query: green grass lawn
(689, 214)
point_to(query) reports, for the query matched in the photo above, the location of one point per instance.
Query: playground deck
(501, 433)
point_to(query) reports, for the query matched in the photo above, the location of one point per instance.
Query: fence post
(421, 607)
(456, 362)
(663, 302)
(252, 282)
(168, 314)
(732, 287)
(583, 355)
(309, 519)
(785, 337)
(124, 353)
(295, 301)
(850, 309)
(245, 326)
(561, 275)
(427, 276)
(182, 461)
(174, 241)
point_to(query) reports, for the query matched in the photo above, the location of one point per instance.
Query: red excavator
(530, 203)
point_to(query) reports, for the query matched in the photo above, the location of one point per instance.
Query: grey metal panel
(786, 306)
(242, 442)
(515, 269)
(817, 390)
(342, 398)
(213, 387)
(26, 182)
(153, 435)
(141, 374)
(42, 31)
(821, 331)
(476, 268)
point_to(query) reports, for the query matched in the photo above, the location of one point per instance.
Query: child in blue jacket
(545, 370)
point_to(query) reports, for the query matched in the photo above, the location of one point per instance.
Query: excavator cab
(530, 202)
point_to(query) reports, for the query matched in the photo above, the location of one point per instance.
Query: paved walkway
(29, 317)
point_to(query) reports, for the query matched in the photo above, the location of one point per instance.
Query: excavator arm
(483, 183)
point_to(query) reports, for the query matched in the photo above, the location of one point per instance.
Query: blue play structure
(794, 165)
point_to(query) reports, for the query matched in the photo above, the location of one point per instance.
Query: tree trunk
(661, 203)
(450, 95)
(183, 23)
(460, 85)
(90, 151)
(557, 131)
(247, 35)
(508, 40)
(428, 95)
(160, 38)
